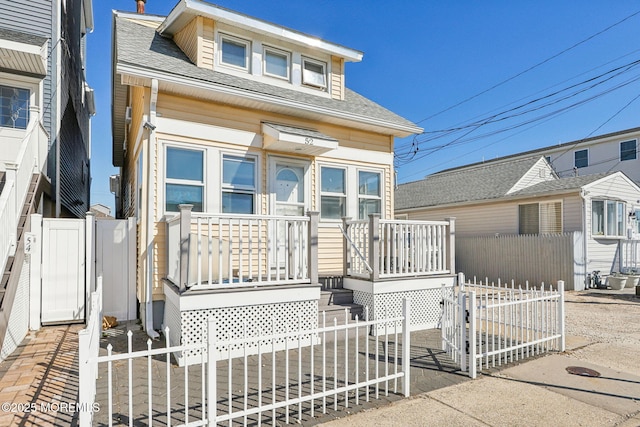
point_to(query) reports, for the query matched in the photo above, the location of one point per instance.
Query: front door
(289, 195)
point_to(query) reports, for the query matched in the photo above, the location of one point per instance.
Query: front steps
(338, 304)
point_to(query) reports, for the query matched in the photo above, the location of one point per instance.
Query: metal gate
(454, 325)
(63, 270)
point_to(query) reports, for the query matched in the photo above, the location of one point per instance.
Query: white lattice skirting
(189, 326)
(385, 300)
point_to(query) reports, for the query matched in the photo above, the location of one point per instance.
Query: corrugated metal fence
(546, 258)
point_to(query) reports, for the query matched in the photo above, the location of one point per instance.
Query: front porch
(251, 272)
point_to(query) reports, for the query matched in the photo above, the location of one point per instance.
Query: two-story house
(45, 107)
(252, 126)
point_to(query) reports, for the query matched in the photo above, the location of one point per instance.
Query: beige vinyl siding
(187, 39)
(337, 78)
(330, 250)
(206, 44)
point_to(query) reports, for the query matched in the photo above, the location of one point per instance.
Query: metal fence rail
(340, 366)
(500, 323)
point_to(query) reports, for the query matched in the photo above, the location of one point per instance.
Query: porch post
(374, 246)
(185, 229)
(314, 217)
(346, 246)
(452, 245)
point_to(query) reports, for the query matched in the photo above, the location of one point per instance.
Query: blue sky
(447, 65)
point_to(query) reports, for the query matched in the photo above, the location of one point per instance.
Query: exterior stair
(338, 304)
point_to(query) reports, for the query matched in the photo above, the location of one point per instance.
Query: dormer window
(234, 52)
(314, 73)
(276, 63)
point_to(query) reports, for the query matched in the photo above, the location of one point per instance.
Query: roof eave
(186, 10)
(385, 127)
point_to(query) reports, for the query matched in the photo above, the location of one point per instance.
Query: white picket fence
(342, 364)
(486, 325)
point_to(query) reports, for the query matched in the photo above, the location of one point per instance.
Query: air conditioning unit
(127, 115)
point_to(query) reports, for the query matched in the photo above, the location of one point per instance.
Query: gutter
(583, 196)
(151, 155)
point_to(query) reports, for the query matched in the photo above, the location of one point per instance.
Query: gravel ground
(609, 323)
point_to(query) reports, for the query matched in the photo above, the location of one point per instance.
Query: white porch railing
(30, 159)
(629, 256)
(272, 387)
(379, 248)
(207, 251)
(494, 324)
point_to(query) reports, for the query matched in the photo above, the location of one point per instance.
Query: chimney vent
(140, 4)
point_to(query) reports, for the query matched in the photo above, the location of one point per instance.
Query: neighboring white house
(524, 196)
(616, 151)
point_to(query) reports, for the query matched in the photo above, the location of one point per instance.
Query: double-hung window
(234, 52)
(238, 184)
(628, 150)
(333, 192)
(14, 107)
(608, 218)
(184, 182)
(276, 63)
(581, 158)
(540, 218)
(314, 73)
(369, 197)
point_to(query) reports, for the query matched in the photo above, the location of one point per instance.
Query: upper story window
(369, 197)
(184, 183)
(238, 184)
(540, 218)
(333, 193)
(628, 150)
(14, 107)
(234, 52)
(608, 218)
(314, 73)
(581, 158)
(276, 63)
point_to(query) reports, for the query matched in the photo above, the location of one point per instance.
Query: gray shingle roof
(142, 46)
(572, 183)
(20, 37)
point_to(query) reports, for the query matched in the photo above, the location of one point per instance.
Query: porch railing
(380, 248)
(629, 256)
(29, 160)
(207, 251)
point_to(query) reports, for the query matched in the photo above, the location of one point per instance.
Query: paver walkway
(39, 381)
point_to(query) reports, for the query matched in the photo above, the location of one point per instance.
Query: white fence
(344, 365)
(214, 250)
(88, 348)
(380, 248)
(628, 256)
(505, 323)
(544, 258)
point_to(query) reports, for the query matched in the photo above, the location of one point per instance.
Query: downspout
(151, 155)
(585, 234)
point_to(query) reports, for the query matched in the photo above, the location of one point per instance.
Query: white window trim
(247, 52)
(366, 196)
(221, 185)
(325, 67)
(636, 149)
(351, 186)
(588, 158)
(332, 194)
(276, 51)
(546, 202)
(604, 215)
(166, 180)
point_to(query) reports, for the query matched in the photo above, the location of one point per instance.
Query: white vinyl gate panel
(115, 262)
(63, 275)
